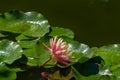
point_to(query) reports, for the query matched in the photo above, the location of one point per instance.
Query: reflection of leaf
(79, 76)
(9, 51)
(65, 71)
(62, 74)
(33, 73)
(28, 23)
(89, 67)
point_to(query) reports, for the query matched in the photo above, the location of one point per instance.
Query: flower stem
(47, 60)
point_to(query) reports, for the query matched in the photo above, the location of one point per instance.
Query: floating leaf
(57, 31)
(26, 42)
(6, 73)
(29, 23)
(110, 54)
(78, 50)
(37, 55)
(9, 51)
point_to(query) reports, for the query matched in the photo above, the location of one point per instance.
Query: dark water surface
(95, 22)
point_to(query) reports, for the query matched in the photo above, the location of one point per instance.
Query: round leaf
(57, 31)
(26, 42)
(78, 50)
(37, 55)
(9, 51)
(6, 73)
(110, 54)
(29, 23)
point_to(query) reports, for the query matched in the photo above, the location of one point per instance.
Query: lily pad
(6, 73)
(26, 42)
(37, 55)
(9, 51)
(78, 50)
(110, 54)
(29, 23)
(57, 31)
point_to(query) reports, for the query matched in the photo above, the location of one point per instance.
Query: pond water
(95, 22)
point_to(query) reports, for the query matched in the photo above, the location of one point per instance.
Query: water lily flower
(59, 51)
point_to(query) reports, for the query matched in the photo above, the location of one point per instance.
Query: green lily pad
(29, 23)
(37, 55)
(9, 51)
(6, 73)
(110, 54)
(26, 42)
(78, 50)
(57, 31)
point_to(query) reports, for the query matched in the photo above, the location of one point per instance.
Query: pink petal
(51, 43)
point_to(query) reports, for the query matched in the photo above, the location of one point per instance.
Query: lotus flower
(59, 51)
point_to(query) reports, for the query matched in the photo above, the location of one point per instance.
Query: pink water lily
(59, 51)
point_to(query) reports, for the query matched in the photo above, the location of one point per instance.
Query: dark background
(95, 22)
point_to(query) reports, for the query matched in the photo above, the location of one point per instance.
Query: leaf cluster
(22, 52)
